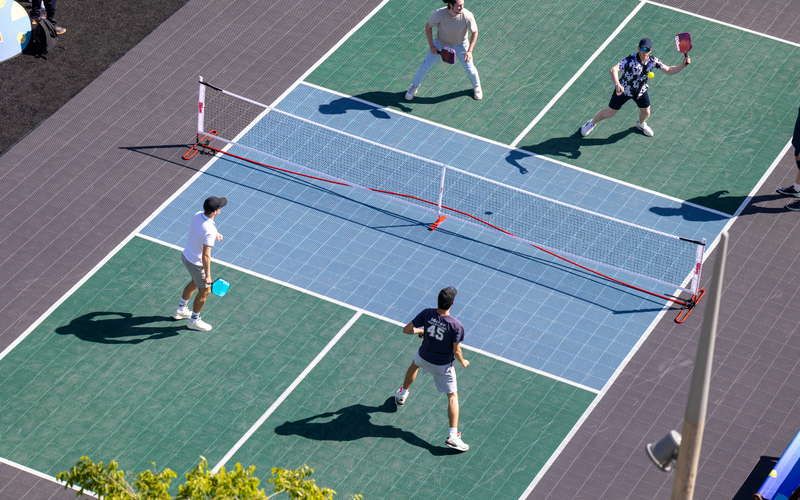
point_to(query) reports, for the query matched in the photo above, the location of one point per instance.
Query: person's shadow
(568, 147)
(377, 100)
(354, 422)
(119, 328)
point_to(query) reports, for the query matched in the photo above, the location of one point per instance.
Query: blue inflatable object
(785, 477)
(15, 29)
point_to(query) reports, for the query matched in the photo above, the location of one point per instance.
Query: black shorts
(618, 100)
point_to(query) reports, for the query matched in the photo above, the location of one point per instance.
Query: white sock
(183, 303)
(454, 431)
(403, 391)
(796, 186)
(195, 316)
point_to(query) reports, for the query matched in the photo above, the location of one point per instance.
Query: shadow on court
(590, 288)
(710, 200)
(120, 328)
(568, 147)
(354, 422)
(384, 100)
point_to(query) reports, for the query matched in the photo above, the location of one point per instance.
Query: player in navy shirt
(442, 335)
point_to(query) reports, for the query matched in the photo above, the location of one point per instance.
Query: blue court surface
(376, 253)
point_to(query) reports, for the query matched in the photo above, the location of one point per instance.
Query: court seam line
(578, 74)
(723, 23)
(372, 314)
(647, 333)
(522, 151)
(329, 53)
(42, 475)
(274, 406)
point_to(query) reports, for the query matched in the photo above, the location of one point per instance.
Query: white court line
(710, 19)
(369, 313)
(286, 393)
(647, 333)
(524, 152)
(576, 75)
(42, 475)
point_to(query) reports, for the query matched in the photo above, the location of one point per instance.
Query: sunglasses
(644, 49)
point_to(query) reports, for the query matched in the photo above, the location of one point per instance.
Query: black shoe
(794, 206)
(789, 191)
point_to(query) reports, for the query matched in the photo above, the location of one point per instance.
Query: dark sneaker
(789, 191)
(59, 29)
(795, 206)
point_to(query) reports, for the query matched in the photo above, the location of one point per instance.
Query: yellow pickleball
(651, 75)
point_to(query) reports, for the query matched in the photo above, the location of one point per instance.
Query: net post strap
(201, 104)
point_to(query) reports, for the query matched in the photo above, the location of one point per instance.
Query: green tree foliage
(108, 482)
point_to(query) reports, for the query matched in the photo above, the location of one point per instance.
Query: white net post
(201, 104)
(697, 267)
(441, 191)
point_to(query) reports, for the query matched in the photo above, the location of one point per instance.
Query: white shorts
(443, 375)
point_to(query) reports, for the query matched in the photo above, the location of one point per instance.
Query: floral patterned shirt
(633, 74)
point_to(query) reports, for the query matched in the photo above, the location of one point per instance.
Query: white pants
(431, 59)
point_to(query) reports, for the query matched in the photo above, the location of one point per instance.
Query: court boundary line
(577, 74)
(522, 151)
(723, 23)
(329, 53)
(613, 378)
(372, 314)
(42, 475)
(274, 406)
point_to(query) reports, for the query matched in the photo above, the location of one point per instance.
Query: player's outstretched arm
(674, 70)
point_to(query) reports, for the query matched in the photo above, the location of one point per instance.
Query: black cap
(446, 297)
(645, 42)
(213, 204)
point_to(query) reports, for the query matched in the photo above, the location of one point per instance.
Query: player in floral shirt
(630, 82)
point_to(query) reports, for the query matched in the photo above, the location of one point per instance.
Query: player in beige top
(453, 23)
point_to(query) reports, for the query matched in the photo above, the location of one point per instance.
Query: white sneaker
(587, 129)
(198, 324)
(478, 93)
(400, 400)
(456, 443)
(182, 313)
(646, 130)
(411, 92)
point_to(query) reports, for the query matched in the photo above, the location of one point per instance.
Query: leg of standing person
(614, 105)
(469, 67)
(402, 393)
(644, 113)
(50, 7)
(794, 189)
(430, 60)
(454, 437)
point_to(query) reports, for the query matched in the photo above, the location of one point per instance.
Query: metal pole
(695, 418)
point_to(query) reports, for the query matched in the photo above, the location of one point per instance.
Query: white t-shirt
(452, 30)
(202, 231)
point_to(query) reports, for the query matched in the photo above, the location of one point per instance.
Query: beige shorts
(197, 273)
(443, 375)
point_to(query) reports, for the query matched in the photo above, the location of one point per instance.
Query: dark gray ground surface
(95, 169)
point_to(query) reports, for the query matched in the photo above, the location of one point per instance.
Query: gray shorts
(443, 375)
(197, 273)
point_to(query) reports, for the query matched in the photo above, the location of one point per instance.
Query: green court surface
(710, 146)
(344, 421)
(111, 376)
(526, 51)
